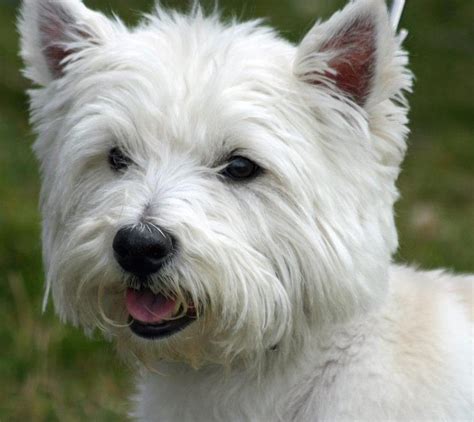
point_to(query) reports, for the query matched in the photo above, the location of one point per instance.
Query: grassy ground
(52, 372)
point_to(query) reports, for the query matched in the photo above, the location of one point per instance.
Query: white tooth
(177, 307)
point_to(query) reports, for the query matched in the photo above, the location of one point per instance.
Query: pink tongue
(147, 307)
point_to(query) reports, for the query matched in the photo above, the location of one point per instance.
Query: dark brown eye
(241, 168)
(118, 161)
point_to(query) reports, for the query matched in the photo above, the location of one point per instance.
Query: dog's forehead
(196, 81)
(199, 52)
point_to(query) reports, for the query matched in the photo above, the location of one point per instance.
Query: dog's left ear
(52, 31)
(354, 54)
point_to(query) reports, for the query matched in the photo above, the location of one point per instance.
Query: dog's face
(211, 191)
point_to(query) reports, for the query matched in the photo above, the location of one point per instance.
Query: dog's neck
(232, 392)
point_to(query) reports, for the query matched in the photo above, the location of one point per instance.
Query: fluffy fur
(301, 314)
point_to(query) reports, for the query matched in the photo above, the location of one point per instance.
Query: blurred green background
(52, 372)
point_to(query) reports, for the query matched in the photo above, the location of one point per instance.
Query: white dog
(220, 203)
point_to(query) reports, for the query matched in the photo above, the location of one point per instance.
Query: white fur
(304, 317)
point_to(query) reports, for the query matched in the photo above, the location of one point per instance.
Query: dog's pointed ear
(51, 31)
(348, 53)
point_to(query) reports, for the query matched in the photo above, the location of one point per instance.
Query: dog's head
(210, 190)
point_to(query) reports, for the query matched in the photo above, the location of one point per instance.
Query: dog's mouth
(154, 315)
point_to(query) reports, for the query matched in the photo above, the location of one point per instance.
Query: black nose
(142, 249)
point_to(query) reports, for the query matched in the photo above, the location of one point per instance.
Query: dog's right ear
(355, 55)
(52, 31)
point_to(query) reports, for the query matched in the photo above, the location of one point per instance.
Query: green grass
(52, 372)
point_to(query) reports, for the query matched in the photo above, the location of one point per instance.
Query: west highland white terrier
(219, 202)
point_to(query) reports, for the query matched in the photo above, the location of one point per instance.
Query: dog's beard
(242, 309)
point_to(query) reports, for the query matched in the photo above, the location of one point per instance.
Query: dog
(219, 203)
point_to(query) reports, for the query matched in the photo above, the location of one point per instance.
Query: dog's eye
(241, 168)
(118, 161)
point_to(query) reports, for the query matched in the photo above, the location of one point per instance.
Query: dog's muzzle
(142, 250)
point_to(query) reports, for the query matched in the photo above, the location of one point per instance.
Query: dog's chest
(180, 393)
(208, 395)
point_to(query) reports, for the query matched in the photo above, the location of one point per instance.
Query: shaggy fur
(301, 314)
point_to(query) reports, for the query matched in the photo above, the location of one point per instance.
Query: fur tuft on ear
(51, 31)
(349, 53)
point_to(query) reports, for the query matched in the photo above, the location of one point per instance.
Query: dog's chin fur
(300, 314)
